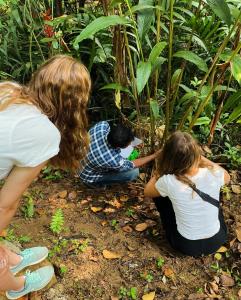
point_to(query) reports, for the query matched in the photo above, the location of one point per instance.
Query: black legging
(178, 242)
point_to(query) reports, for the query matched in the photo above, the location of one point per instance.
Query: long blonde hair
(180, 153)
(60, 89)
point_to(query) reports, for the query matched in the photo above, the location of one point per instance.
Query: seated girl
(186, 195)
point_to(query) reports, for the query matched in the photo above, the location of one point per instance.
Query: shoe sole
(34, 263)
(14, 298)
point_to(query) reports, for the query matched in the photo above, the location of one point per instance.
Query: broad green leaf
(221, 9)
(175, 77)
(158, 63)
(143, 74)
(236, 68)
(140, 7)
(16, 16)
(232, 101)
(116, 86)
(234, 115)
(155, 108)
(114, 3)
(145, 18)
(156, 51)
(202, 121)
(193, 58)
(97, 25)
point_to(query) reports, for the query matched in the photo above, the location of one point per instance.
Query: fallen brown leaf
(109, 210)
(227, 280)
(149, 296)
(150, 223)
(168, 272)
(63, 194)
(141, 227)
(124, 198)
(72, 195)
(115, 203)
(127, 228)
(214, 286)
(222, 249)
(96, 209)
(114, 298)
(110, 255)
(238, 233)
(239, 293)
(3, 233)
(236, 188)
(232, 242)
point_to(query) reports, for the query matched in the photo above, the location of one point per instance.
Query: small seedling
(80, 246)
(59, 246)
(57, 221)
(51, 174)
(200, 290)
(28, 207)
(63, 270)
(24, 239)
(114, 224)
(160, 262)
(130, 212)
(148, 277)
(128, 294)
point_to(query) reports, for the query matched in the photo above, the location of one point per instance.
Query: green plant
(63, 270)
(28, 206)
(160, 262)
(130, 212)
(233, 154)
(57, 221)
(58, 248)
(24, 239)
(51, 174)
(114, 224)
(124, 293)
(147, 276)
(79, 245)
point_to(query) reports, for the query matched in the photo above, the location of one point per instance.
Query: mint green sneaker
(34, 281)
(31, 256)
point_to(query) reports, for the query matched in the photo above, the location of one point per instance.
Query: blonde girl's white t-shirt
(196, 219)
(27, 138)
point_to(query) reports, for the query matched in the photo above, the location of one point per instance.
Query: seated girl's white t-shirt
(27, 138)
(196, 219)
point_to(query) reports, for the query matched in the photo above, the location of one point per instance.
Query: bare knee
(4, 266)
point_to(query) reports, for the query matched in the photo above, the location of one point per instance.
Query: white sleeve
(219, 175)
(34, 141)
(162, 186)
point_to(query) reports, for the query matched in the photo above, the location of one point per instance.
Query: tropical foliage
(160, 62)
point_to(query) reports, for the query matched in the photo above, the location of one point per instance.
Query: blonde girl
(43, 121)
(186, 194)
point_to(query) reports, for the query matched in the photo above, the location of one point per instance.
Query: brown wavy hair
(60, 88)
(180, 153)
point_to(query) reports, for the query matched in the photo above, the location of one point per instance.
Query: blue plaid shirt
(101, 158)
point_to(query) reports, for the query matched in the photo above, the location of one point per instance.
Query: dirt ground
(101, 253)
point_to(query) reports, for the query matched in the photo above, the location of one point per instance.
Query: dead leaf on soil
(124, 198)
(109, 210)
(127, 228)
(227, 280)
(110, 255)
(115, 203)
(149, 296)
(96, 209)
(239, 293)
(150, 223)
(214, 286)
(72, 195)
(3, 233)
(114, 298)
(141, 227)
(236, 188)
(207, 149)
(232, 242)
(168, 272)
(63, 194)
(238, 233)
(222, 249)
(104, 223)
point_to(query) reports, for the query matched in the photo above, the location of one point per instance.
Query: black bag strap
(206, 197)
